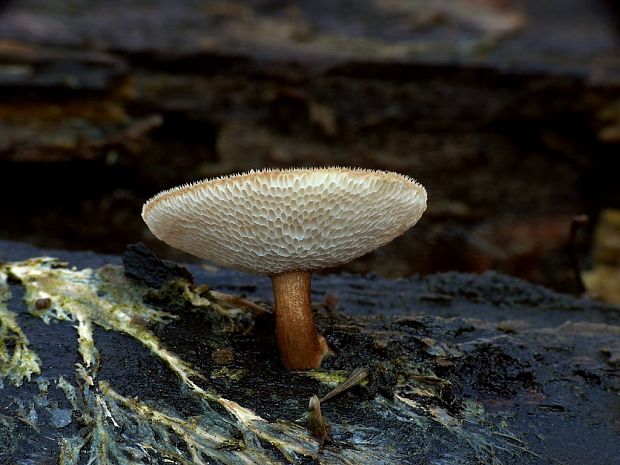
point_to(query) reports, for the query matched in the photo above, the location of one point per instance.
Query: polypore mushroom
(286, 224)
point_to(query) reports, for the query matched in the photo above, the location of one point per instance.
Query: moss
(232, 374)
(330, 378)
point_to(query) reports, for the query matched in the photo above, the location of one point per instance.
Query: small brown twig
(239, 302)
(356, 377)
(318, 426)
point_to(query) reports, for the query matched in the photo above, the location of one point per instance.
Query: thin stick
(240, 302)
(576, 224)
(356, 377)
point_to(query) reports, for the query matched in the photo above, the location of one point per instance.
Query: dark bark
(463, 369)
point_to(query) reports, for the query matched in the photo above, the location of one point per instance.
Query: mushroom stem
(301, 347)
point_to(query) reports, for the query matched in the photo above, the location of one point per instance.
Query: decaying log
(98, 367)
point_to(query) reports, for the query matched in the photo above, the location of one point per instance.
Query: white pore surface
(274, 221)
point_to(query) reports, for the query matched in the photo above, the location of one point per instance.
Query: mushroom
(286, 224)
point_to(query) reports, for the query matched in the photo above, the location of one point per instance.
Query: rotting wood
(457, 385)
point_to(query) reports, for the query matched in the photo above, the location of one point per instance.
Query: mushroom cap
(273, 221)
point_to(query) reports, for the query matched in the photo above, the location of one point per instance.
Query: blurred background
(508, 111)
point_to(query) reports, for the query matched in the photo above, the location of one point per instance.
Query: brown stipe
(301, 347)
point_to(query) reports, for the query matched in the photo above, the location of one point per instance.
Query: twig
(356, 377)
(239, 302)
(576, 224)
(318, 426)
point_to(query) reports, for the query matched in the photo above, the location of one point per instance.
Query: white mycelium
(274, 221)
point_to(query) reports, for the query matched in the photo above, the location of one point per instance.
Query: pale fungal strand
(272, 221)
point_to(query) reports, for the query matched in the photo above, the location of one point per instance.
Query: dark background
(508, 111)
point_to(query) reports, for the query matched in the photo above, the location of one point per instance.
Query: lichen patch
(17, 361)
